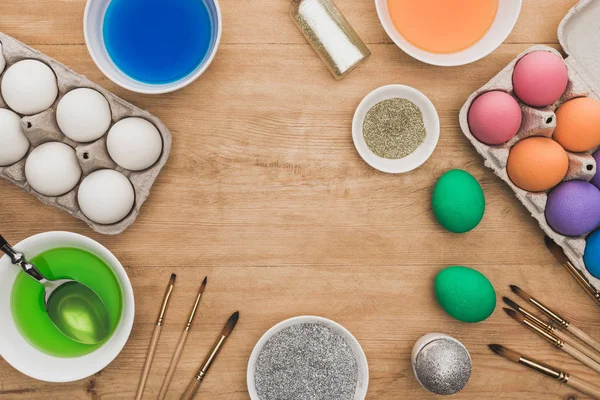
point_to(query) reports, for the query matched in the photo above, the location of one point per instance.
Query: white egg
(52, 169)
(106, 196)
(13, 143)
(134, 143)
(2, 59)
(83, 115)
(29, 87)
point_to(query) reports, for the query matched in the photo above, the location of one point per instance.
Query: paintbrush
(181, 344)
(560, 255)
(210, 358)
(562, 322)
(155, 337)
(559, 375)
(548, 327)
(560, 344)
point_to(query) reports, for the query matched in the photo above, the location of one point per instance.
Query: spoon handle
(18, 258)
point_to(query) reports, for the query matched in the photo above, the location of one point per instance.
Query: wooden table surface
(265, 193)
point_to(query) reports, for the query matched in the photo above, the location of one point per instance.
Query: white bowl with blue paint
(93, 28)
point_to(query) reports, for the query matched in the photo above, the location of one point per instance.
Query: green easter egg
(458, 201)
(465, 294)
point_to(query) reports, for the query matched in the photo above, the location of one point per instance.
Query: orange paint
(443, 26)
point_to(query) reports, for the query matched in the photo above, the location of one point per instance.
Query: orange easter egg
(537, 164)
(578, 124)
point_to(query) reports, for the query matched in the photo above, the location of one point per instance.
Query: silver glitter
(306, 362)
(443, 366)
(330, 35)
(394, 128)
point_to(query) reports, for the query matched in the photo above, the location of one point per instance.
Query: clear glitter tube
(330, 34)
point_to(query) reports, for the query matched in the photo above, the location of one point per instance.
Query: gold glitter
(394, 128)
(330, 35)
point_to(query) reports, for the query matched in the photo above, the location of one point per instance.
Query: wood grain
(585, 387)
(265, 193)
(573, 352)
(173, 365)
(148, 363)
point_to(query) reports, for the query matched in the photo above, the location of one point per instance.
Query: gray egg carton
(578, 34)
(41, 128)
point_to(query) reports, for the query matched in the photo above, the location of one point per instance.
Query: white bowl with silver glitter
(421, 153)
(362, 376)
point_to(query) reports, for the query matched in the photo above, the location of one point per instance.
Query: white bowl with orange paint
(493, 34)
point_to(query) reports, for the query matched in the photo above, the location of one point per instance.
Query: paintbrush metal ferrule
(537, 304)
(522, 318)
(576, 273)
(166, 298)
(214, 351)
(212, 354)
(529, 315)
(554, 316)
(552, 372)
(518, 358)
(545, 369)
(543, 333)
(200, 375)
(188, 326)
(533, 318)
(583, 281)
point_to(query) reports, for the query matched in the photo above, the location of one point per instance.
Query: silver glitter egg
(441, 363)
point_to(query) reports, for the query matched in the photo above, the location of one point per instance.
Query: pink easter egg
(540, 78)
(494, 117)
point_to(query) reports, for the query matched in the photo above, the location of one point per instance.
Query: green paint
(465, 294)
(458, 201)
(79, 313)
(27, 298)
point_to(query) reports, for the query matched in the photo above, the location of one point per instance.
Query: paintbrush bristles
(231, 323)
(172, 279)
(510, 303)
(505, 352)
(515, 314)
(203, 285)
(556, 250)
(520, 292)
(511, 313)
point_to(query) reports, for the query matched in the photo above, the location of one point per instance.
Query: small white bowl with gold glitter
(395, 128)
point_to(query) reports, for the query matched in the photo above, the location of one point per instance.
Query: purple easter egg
(573, 208)
(596, 179)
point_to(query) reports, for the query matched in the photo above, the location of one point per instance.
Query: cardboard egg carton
(41, 128)
(578, 35)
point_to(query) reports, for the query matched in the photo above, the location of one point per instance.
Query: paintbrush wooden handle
(577, 345)
(148, 363)
(576, 354)
(191, 390)
(584, 337)
(584, 387)
(173, 365)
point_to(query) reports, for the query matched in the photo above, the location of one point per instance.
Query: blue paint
(158, 41)
(591, 256)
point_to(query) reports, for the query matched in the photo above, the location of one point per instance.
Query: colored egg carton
(41, 128)
(578, 36)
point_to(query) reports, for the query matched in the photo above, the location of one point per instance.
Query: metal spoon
(75, 309)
